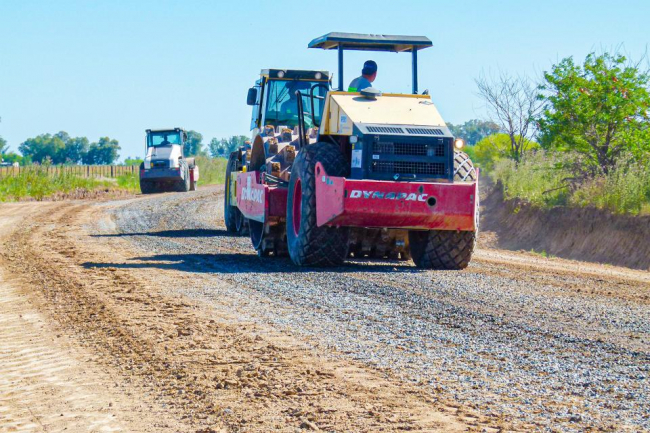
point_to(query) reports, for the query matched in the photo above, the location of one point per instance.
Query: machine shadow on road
(234, 263)
(187, 233)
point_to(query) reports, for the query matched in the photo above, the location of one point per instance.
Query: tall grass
(35, 182)
(539, 179)
(212, 171)
(129, 182)
(545, 179)
(624, 189)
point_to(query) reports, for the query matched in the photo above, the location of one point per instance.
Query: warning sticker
(356, 158)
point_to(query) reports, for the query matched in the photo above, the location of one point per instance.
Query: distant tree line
(60, 148)
(224, 146)
(9, 157)
(218, 147)
(474, 130)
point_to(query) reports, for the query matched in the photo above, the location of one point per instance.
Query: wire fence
(107, 171)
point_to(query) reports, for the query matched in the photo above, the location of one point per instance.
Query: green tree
(43, 147)
(473, 130)
(59, 148)
(599, 109)
(194, 144)
(224, 146)
(63, 136)
(235, 142)
(494, 148)
(216, 147)
(4, 147)
(14, 157)
(133, 161)
(106, 151)
(75, 149)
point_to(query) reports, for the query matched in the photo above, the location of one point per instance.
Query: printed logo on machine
(356, 193)
(250, 194)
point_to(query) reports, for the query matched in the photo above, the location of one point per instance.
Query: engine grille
(425, 131)
(403, 167)
(416, 149)
(386, 129)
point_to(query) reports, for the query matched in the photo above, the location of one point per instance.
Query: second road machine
(165, 167)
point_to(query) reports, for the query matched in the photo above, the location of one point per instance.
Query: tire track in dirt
(45, 385)
(207, 374)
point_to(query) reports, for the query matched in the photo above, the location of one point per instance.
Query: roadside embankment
(586, 234)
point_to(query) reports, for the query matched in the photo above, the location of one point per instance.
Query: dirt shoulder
(48, 380)
(179, 357)
(585, 234)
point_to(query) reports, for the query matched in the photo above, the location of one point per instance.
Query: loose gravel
(526, 346)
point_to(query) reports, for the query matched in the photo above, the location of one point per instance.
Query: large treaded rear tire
(447, 249)
(308, 244)
(464, 170)
(442, 249)
(230, 213)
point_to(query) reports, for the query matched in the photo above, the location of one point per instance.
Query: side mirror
(251, 99)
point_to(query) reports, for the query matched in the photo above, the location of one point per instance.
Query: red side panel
(277, 199)
(411, 205)
(258, 201)
(330, 192)
(251, 196)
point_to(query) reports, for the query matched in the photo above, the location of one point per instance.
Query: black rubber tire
(230, 213)
(446, 249)
(312, 245)
(442, 249)
(183, 185)
(146, 186)
(464, 170)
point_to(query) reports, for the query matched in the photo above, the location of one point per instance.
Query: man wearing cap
(368, 75)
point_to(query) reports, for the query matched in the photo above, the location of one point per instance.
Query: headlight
(318, 75)
(459, 143)
(280, 74)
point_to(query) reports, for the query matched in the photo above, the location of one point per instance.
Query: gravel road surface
(515, 342)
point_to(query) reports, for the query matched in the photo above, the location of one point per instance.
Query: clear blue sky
(116, 68)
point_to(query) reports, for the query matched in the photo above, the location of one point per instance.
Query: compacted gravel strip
(535, 346)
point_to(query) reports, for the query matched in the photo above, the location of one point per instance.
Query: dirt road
(166, 323)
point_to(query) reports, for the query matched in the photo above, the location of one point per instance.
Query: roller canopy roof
(357, 41)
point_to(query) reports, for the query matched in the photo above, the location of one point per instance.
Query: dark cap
(369, 68)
